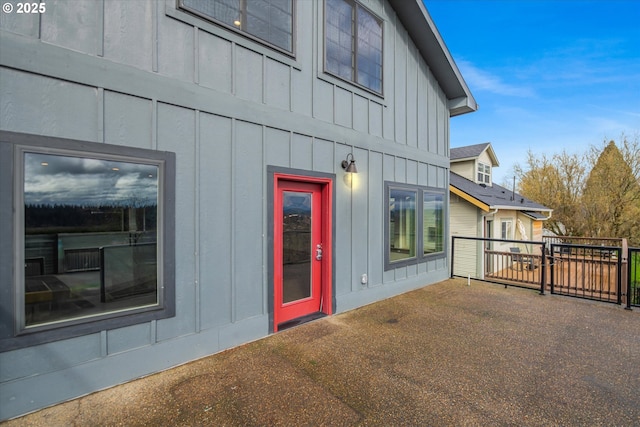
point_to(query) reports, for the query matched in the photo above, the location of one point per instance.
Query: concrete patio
(446, 354)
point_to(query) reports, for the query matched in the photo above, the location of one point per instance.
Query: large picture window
(90, 235)
(267, 20)
(353, 43)
(413, 234)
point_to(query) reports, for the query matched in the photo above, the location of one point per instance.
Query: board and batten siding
(146, 74)
(130, 40)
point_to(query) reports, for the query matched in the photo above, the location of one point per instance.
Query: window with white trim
(506, 229)
(93, 239)
(353, 43)
(268, 20)
(484, 173)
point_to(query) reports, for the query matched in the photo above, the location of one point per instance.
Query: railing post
(619, 279)
(544, 268)
(453, 251)
(552, 267)
(629, 289)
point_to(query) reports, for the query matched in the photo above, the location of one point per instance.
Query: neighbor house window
(353, 43)
(506, 229)
(484, 173)
(414, 219)
(267, 20)
(92, 241)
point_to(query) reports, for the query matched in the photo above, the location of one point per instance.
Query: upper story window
(267, 20)
(353, 43)
(484, 173)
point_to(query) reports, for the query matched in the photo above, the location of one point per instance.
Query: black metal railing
(633, 278)
(586, 271)
(587, 241)
(593, 271)
(509, 262)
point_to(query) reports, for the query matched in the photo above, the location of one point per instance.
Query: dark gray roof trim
(497, 196)
(425, 35)
(468, 152)
(535, 215)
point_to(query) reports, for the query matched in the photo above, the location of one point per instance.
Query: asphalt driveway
(446, 354)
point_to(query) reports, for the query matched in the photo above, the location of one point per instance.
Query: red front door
(302, 248)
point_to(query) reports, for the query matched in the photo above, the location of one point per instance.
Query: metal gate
(585, 271)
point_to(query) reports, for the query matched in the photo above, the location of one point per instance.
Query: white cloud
(59, 180)
(480, 80)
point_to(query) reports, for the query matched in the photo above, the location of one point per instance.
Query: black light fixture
(349, 165)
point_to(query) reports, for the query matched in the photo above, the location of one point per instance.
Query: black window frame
(239, 29)
(13, 333)
(420, 256)
(356, 6)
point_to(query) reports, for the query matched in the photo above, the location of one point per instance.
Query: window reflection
(268, 20)
(402, 224)
(296, 246)
(433, 224)
(90, 236)
(353, 43)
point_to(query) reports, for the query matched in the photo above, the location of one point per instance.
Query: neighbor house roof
(425, 35)
(495, 197)
(471, 152)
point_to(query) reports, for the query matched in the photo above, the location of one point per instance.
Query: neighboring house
(173, 185)
(480, 208)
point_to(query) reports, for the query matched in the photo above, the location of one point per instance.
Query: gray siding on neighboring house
(143, 74)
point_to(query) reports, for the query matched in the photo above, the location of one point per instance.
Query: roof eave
(424, 33)
(492, 155)
(469, 198)
(462, 105)
(520, 208)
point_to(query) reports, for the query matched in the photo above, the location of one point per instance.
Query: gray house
(179, 177)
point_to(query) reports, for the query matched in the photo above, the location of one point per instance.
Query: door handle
(319, 252)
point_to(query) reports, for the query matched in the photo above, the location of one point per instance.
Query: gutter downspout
(493, 212)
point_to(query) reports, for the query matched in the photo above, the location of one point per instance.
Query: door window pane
(90, 236)
(296, 246)
(402, 224)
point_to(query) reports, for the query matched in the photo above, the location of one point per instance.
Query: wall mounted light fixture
(349, 165)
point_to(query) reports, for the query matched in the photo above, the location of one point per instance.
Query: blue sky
(548, 75)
